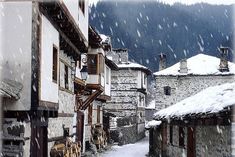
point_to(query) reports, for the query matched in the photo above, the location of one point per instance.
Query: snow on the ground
(151, 105)
(200, 64)
(210, 100)
(152, 123)
(139, 149)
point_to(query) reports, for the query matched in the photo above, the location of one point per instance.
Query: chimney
(223, 66)
(121, 56)
(183, 66)
(162, 61)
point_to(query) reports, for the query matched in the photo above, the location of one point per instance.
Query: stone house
(127, 104)
(190, 76)
(201, 125)
(42, 49)
(180, 81)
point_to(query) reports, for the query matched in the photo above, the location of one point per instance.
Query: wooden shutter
(101, 63)
(92, 64)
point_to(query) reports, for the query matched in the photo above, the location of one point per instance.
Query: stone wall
(126, 104)
(210, 141)
(66, 104)
(125, 134)
(14, 130)
(213, 141)
(184, 86)
(149, 114)
(173, 149)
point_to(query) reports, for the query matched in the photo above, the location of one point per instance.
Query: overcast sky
(187, 1)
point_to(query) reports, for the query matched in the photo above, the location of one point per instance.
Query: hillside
(149, 28)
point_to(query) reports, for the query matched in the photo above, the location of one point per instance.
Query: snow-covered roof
(151, 105)
(211, 100)
(152, 124)
(200, 64)
(133, 65)
(105, 39)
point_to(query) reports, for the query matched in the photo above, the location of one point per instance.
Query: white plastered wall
(50, 37)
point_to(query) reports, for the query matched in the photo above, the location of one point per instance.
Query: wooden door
(191, 151)
(39, 142)
(164, 139)
(80, 126)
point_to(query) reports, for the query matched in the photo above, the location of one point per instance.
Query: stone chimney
(162, 61)
(183, 66)
(120, 56)
(223, 66)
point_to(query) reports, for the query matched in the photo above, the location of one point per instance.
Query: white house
(42, 44)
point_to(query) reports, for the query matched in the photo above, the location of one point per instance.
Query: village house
(127, 105)
(190, 76)
(41, 79)
(201, 125)
(99, 79)
(180, 81)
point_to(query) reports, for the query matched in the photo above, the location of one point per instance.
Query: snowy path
(139, 149)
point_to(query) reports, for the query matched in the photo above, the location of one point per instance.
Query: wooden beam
(90, 99)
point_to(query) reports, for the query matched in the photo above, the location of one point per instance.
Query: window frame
(107, 75)
(66, 77)
(92, 64)
(55, 63)
(167, 90)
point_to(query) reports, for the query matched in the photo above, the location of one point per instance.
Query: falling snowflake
(147, 18)
(138, 33)
(175, 24)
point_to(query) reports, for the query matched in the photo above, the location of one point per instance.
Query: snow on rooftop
(104, 38)
(152, 124)
(211, 100)
(151, 105)
(131, 65)
(110, 57)
(200, 64)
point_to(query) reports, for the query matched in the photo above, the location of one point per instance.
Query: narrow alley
(139, 149)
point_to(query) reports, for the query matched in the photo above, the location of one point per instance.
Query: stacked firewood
(99, 137)
(66, 148)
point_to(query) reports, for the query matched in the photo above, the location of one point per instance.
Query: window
(92, 63)
(145, 79)
(181, 136)
(101, 63)
(66, 77)
(171, 134)
(82, 5)
(90, 114)
(167, 90)
(55, 64)
(107, 75)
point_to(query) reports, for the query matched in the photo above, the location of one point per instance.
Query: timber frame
(83, 105)
(65, 24)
